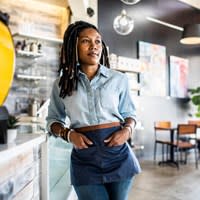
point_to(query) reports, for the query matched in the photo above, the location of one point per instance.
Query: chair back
(197, 122)
(160, 136)
(187, 139)
(162, 124)
(186, 129)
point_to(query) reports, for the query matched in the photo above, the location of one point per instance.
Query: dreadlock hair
(69, 58)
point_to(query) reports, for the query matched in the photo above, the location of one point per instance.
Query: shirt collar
(101, 71)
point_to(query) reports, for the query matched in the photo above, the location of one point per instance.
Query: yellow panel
(7, 61)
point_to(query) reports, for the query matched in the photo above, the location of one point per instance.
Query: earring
(72, 75)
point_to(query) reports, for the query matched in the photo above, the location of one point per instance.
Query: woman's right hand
(79, 140)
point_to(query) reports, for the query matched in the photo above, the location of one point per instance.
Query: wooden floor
(166, 183)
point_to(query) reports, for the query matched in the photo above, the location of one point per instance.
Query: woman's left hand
(118, 138)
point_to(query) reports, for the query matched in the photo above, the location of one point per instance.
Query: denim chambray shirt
(104, 99)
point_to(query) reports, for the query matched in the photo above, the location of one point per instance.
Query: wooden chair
(189, 131)
(197, 122)
(160, 128)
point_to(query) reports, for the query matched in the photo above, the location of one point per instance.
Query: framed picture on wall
(153, 80)
(178, 76)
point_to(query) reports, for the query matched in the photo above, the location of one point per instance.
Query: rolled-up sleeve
(56, 109)
(126, 105)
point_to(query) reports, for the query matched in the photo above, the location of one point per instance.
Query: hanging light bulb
(123, 24)
(130, 2)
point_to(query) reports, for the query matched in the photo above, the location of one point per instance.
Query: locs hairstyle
(69, 58)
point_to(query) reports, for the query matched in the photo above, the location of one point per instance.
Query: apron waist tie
(96, 127)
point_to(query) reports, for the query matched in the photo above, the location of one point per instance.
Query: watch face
(7, 61)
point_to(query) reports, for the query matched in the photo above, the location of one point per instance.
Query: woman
(90, 107)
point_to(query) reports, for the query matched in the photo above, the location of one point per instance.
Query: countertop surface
(22, 142)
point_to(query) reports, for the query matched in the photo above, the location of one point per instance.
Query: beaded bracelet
(61, 133)
(68, 135)
(64, 133)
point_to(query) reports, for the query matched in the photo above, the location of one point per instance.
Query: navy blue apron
(99, 163)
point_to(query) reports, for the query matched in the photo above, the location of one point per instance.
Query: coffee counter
(22, 168)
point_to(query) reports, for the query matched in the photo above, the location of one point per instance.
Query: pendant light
(123, 24)
(130, 2)
(191, 34)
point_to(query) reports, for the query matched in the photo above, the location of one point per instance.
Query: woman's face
(89, 47)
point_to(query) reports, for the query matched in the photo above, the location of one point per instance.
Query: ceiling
(64, 3)
(193, 3)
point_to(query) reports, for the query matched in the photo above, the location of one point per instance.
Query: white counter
(23, 141)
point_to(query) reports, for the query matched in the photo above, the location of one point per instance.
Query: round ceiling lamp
(123, 24)
(191, 34)
(130, 2)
